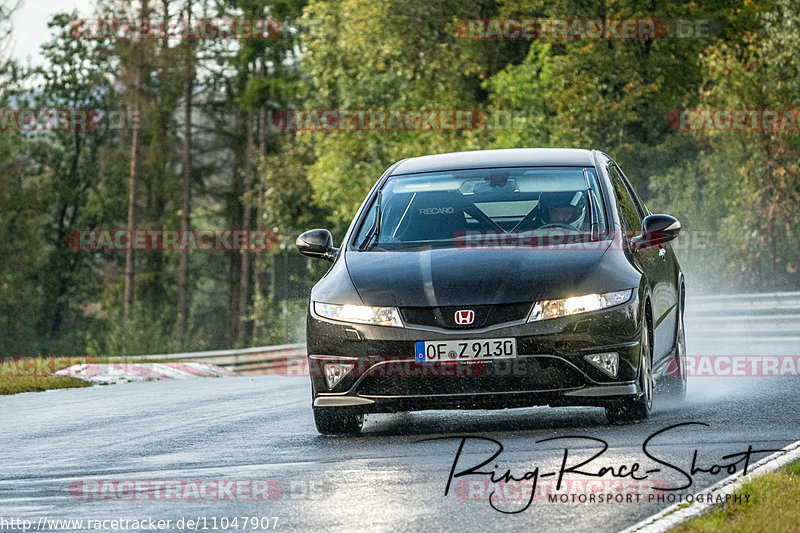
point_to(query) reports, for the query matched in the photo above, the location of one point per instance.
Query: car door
(654, 261)
(666, 289)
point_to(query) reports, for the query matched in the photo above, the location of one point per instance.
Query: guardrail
(761, 317)
(247, 361)
(731, 303)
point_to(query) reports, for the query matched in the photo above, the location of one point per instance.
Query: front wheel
(629, 410)
(337, 421)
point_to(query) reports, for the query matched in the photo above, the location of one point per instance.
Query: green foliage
(386, 55)
(742, 188)
(19, 222)
(750, 180)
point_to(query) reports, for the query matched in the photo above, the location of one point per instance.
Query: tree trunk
(232, 331)
(186, 163)
(259, 258)
(244, 280)
(129, 257)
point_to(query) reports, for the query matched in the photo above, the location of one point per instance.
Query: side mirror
(656, 229)
(317, 243)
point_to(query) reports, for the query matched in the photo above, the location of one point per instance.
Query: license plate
(477, 349)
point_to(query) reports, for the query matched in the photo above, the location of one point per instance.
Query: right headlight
(578, 304)
(359, 314)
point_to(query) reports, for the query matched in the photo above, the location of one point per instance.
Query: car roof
(507, 157)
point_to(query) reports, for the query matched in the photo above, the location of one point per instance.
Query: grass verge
(17, 384)
(773, 506)
(33, 374)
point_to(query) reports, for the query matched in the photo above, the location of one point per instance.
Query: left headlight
(360, 314)
(578, 304)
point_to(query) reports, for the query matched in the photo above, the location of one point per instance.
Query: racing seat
(434, 216)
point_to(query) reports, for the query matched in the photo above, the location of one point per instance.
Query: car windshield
(451, 208)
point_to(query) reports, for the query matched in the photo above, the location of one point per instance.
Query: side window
(365, 226)
(636, 200)
(628, 211)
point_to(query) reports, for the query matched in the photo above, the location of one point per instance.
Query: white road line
(680, 512)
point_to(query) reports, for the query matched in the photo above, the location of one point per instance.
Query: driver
(562, 209)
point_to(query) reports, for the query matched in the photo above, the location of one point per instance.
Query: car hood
(451, 276)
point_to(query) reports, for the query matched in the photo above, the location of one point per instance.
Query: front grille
(541, 374)
(485, 315)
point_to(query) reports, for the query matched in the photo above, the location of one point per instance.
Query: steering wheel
(557, 225)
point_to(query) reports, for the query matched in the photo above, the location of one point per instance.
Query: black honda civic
(496, 279)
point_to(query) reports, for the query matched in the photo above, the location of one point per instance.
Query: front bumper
(550, 368)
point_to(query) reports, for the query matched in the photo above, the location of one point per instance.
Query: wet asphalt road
(387, 479)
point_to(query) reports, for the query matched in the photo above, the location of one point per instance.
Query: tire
(636, 408)
(338, 421)
(674, 386)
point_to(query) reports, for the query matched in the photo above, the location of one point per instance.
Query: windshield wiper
(591, 204)
(375, 229)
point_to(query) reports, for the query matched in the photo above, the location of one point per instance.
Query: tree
(186, 174)
(7, 8)
(402, 55)
(751, 184)
(137, 121)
